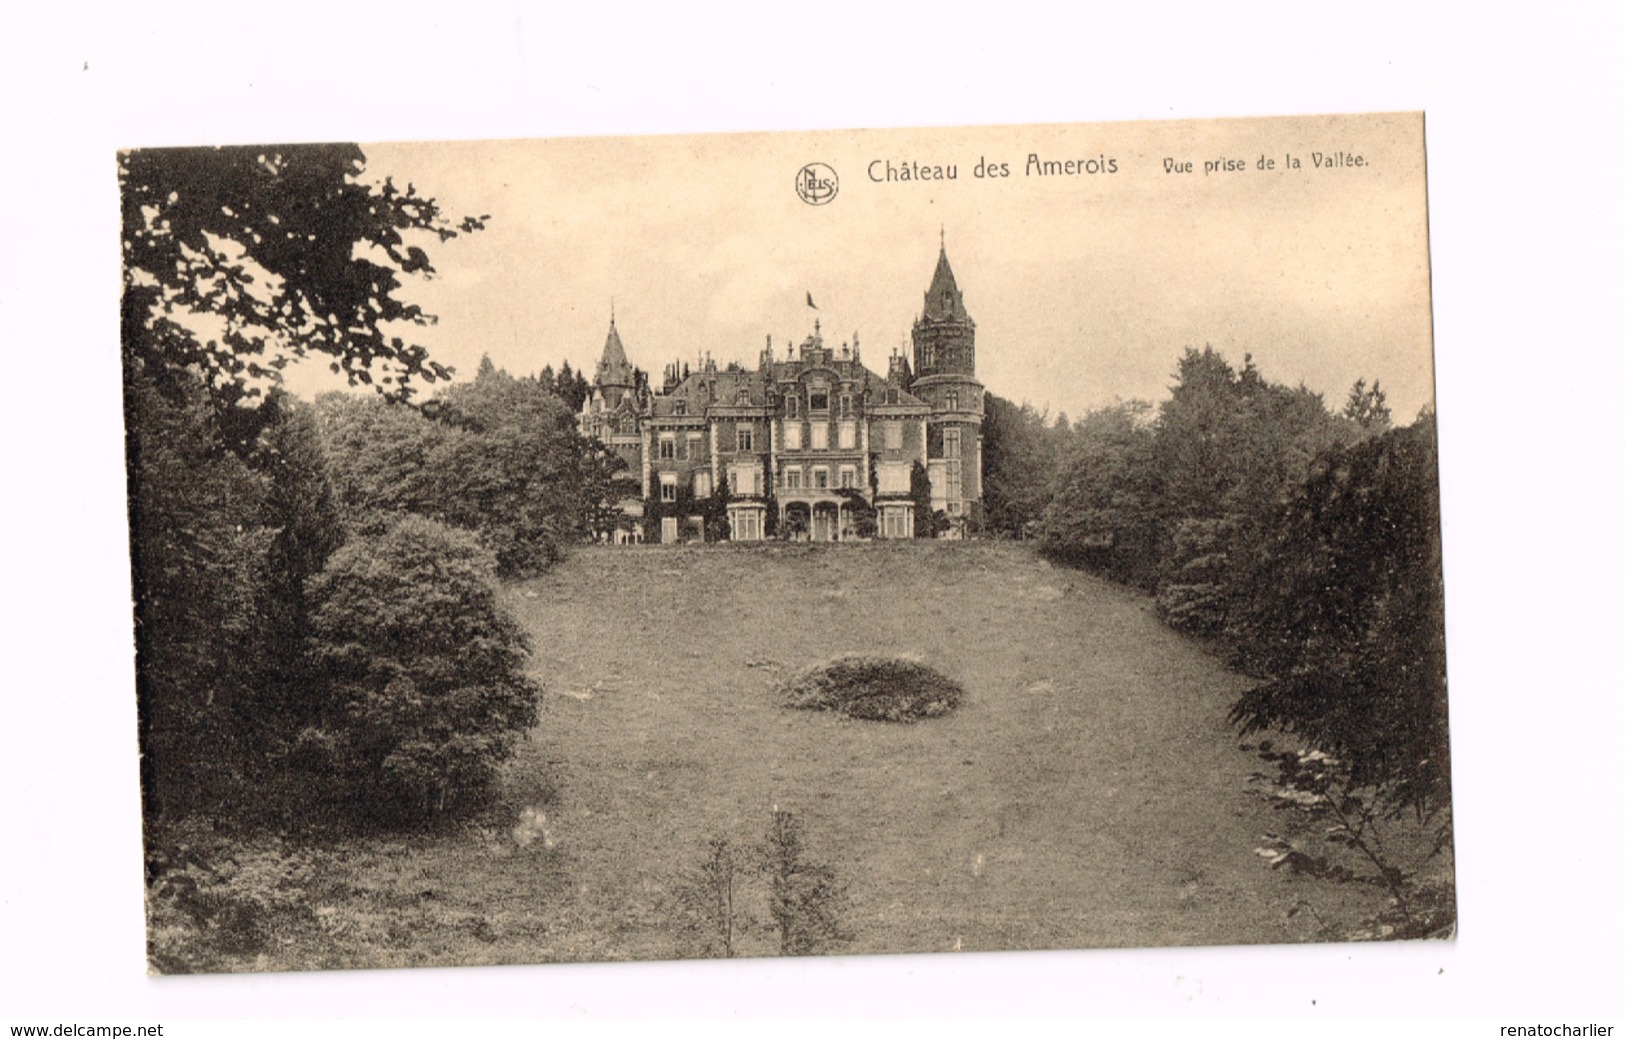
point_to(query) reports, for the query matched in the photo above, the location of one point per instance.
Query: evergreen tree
(919, 489)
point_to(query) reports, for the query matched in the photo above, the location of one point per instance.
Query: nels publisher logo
(817, 184)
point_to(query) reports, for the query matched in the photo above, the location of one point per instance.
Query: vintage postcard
(596, 549)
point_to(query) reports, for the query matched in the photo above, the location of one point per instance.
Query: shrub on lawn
(873, 688)
(427, 671)
(214, 901)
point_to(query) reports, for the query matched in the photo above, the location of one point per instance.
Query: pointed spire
(942, 300)
(613, 367)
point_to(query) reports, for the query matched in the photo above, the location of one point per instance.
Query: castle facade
(813, 445)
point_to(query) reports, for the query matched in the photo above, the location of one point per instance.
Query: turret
(944, 334)
(945, 377)
(615, 375)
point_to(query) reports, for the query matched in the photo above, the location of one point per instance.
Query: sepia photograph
(660, 547)
(543, 515)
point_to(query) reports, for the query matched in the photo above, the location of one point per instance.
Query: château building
(811, 445)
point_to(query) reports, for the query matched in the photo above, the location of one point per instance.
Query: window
(695, 452)
(668, 447)
(895, 523)
(950, 443)
(679, 407)
(668, 486)
(820, 479)
(702, 485)
(846, 404)
(746, 524)
(792, 436)
(891, 395)
(820, 436)
(953, 400)
(818, 400)
(894, 436)
(792, 406)
(743, 396)
(954, 481)
(792, 479)
(849, 435)
(745, 438)
(849, 478)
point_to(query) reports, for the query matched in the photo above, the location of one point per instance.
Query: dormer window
(680, 407)
(818, 400)
(743, 397)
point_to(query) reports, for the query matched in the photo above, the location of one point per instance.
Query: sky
(1085, 287)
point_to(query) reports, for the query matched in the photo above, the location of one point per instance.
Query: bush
(214, 901)
(806, 901)
(426, 669)
(874, 689)
(1195, 596)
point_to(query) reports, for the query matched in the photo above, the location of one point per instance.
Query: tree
(300, 514)
(1229, 448)
(1346, 619)
(498, 456)
(240, 260)
(716, 512)
(427, 671)
(1368, 408)
(1344, 624)
(1018, 466)
(806, 901)
(770, 520)
(237, 262)
(709, 897)
(919, 490)
(197, 555)
(386, 460)
(1104, 510)
(524, 477)
(860, 512)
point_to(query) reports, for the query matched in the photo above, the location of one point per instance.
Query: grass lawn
(1087, 791)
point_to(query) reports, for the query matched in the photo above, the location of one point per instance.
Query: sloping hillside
(1086, 792)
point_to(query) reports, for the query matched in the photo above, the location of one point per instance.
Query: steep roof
(613, 367)
(942, 300)
(749, 387)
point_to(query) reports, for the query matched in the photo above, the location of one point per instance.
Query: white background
(1523, 128)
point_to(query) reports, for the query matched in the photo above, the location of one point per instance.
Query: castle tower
(945, 378)
(614, 378)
